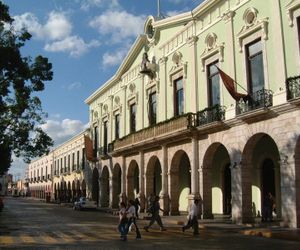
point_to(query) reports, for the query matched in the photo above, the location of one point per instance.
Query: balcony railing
(293, 87)
(260, 99)
(209, 115)
(159, 129)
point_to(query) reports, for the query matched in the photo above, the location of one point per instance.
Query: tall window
(83, 158)
(132, 118)
(95, 141)
(69, 162)
(105, 137)
(213, 80)
(255, 67)
(117, 126)
(73, 161)
(61, 165)
(152, 108)
(178, 97)
(78, 163)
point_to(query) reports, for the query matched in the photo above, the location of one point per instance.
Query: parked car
(1, 204)
(84, 203)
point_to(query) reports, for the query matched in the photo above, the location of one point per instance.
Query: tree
(21, 113)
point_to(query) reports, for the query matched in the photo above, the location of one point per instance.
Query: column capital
(192, 40)
(228, 16)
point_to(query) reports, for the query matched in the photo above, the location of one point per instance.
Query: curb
(267, 233)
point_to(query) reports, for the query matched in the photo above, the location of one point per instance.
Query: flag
(89, 149)
(229, 84)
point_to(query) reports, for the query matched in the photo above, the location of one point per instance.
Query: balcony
(103, 152)
(293, 89)
(255, 106)
(159, 131)
(211, 114)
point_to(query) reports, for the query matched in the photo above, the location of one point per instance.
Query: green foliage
(21, 113)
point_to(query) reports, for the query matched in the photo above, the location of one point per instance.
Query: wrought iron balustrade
(211, 114)
(259, 99)
(292, 87)
(174, 124)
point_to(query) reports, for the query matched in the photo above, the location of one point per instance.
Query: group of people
(128, 216)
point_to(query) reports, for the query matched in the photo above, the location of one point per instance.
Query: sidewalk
(261, 230)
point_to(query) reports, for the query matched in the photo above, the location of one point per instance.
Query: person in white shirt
(193, 218)
(132, 220)
(123, 221)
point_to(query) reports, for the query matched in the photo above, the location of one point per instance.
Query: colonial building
(173, 122)
(61, 175)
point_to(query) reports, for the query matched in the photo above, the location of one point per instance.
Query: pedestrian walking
(131, 213)
(193, 218)
(122, 221)
(154, 210)
(137, 207)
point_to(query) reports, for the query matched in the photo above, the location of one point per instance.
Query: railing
(260, 99)
(211, 114)
(110, 147)
(292, 87)
(159, 129)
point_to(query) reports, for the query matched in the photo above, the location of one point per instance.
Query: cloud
(57, 26)
(57, 32)
(87, 4)
(112, 59)
(119, 25)
(173, 13)
(74, 45)
(61, 131)
(74, 85)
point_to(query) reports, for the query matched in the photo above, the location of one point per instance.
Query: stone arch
(153, 177)
(180, 182)
(216, 162)
(95, 185)
(133, 180)
(116, 185)
(104, 190)
(78, 189)
(259, 153)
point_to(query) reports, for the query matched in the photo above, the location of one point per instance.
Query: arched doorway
(260, 175)
(95, 186)
(78, 190)
(153, 177)
(180, 182)
(117, 175)
(133, 180)
(216, 181)
(104, 187)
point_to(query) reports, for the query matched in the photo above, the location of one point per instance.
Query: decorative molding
(163, 60)
(290, 8)
(178, 66)
(228, 16)
(211, 49)
(192, 40)
(249, 29)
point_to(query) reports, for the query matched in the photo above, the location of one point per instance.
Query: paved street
(30, 224)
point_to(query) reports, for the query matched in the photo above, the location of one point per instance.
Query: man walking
(155, 215)
(193, 218)
(132, 219)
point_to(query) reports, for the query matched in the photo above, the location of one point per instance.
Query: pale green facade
(184, 46)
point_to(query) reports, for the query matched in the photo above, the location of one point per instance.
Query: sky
(86, 41)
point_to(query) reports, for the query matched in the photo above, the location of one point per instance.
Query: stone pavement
(267, 230)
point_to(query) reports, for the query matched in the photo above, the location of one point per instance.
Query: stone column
(124, 88)
(110, 127)
(192, 41)
(141, 194)
(111, 193)
(236, 189)
(164, 197)
(163, 75)
(288, 191)
(123, 181)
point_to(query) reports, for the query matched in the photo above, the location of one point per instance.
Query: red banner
(88, 143)
(229, 84)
